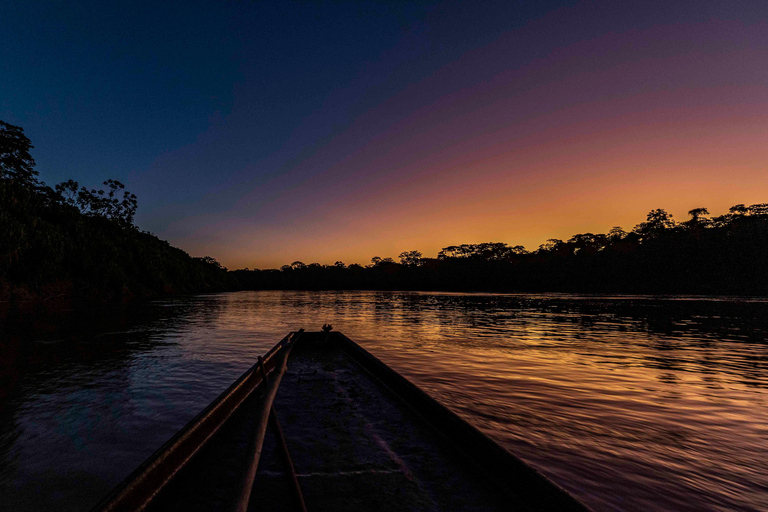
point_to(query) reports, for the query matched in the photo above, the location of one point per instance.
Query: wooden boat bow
(362, 437)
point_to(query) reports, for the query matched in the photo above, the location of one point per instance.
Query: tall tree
(697, 218)
(657, 222)
(15, 161)
(411, 258)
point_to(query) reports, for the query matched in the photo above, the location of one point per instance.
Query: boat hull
(360, 437)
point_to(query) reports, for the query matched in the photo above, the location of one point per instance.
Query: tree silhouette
(588, 241)
(697, 218)
(551, 245)
(15, 161)
(656, 223)
(210, 260)
(410, 258)
(696, 213)
(616, 234)
(487, 251)
(98, 203)
(738, 209)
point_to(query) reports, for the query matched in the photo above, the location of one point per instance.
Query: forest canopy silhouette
(725, 254)
(73, 241)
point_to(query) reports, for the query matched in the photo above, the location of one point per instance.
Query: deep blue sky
(210, 111)
(104, 89)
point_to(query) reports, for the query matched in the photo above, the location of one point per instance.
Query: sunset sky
(261, 133)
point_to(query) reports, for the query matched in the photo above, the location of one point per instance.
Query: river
(630, 403)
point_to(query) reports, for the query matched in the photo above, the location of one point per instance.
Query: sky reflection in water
(629, 403)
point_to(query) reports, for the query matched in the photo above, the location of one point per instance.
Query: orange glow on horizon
(523, 157)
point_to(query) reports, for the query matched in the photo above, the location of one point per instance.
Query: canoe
(318, 423)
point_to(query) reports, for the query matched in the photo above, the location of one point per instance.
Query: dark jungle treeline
(727, 254)
(72, 242)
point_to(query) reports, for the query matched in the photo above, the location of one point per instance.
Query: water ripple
(631, 403)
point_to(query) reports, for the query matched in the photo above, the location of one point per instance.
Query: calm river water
(630, 403)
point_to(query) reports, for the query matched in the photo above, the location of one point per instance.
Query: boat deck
(355, 445)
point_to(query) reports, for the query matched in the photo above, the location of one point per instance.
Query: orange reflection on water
(630, 403)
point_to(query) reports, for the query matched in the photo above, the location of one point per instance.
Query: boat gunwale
(535, 489)
(138, 489)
